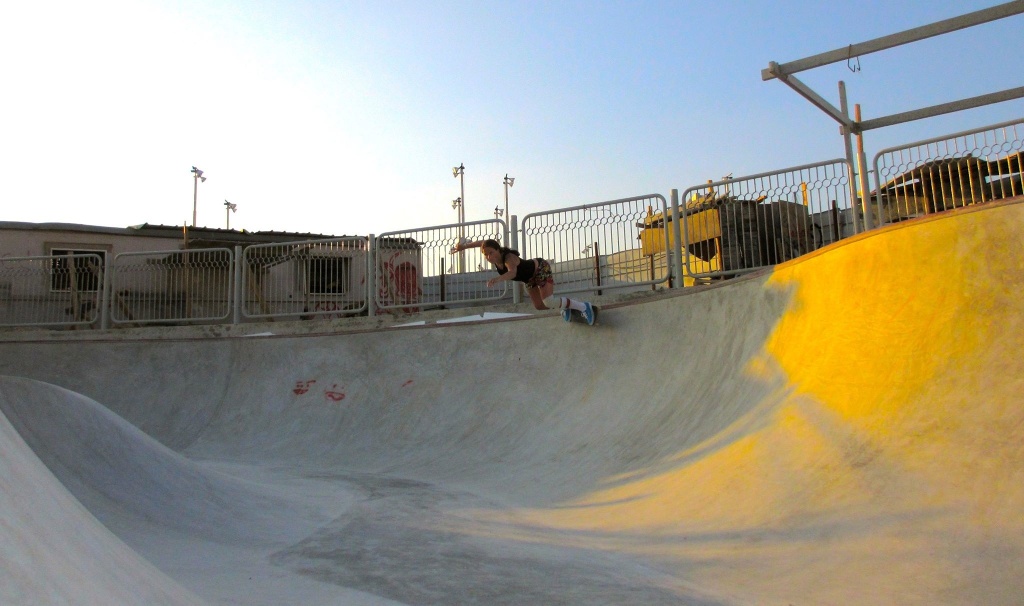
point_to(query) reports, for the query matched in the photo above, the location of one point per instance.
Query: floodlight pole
(197, 175)
(228, 209)
(460, 172)
(508, 183)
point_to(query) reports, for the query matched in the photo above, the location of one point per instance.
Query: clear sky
(346, 117)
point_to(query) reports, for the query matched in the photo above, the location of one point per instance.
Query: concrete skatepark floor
(843, 429)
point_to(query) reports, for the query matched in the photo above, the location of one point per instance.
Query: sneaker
(567, 314)
(588, 313)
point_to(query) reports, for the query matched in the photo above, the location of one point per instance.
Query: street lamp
(197, 176)
(460, 172)
(508, 183)
(498, 212)
(228, 209)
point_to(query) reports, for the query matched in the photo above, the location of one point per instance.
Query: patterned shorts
(541, 276)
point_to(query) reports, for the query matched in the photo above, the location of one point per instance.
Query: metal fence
(173, 285)
(417, 269)
(742, 224)
(948, 172)
(724, 229)
(309, 279)
(56, 290)
(600, 247)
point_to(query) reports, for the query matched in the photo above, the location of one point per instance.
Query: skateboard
(577, 316)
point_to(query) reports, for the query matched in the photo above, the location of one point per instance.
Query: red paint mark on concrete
(302, 387)
(334, 394)
(407, 383)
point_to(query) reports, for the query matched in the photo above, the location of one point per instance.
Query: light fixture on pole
(197, 176)
(498, 212)
(508, 183)
(460, 172)
(228, 209)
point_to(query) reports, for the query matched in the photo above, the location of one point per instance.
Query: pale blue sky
(346, 118)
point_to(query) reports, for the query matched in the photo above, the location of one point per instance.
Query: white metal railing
(309, 279)
(948, 172)
(51, 290)
(599, 247)
(725, 228)
(742, 224)
(416, 268)
(171, 286)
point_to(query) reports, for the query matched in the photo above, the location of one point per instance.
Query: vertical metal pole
(371, 276)
(195, 196)
(597, 267)
(444, 280)
(105, 296)
(862, 161)
(517, 293)
(236, 287)
(462, 215)
(677, 244)
(848, 142)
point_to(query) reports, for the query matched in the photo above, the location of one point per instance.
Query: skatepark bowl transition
(845, 428)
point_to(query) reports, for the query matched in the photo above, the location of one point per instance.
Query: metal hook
(849, 57)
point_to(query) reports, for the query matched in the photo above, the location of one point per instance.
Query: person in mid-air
(535, 274)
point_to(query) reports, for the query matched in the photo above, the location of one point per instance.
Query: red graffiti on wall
(302, 387)
(399, 283)
(407, 383)
(328, 306)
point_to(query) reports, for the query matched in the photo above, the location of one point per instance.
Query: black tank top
(526, 269)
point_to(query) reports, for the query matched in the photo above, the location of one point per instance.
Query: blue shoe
(588, 313)
(567, 314)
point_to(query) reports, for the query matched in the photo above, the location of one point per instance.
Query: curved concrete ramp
(845, 429)
(55, 551)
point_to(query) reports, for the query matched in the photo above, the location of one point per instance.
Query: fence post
(105, 293)
(848, 142)
(371, 276)
(517, 294)
(865, 187)
(236, 287)
(677, 245)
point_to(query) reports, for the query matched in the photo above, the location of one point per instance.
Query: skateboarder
(535, 274)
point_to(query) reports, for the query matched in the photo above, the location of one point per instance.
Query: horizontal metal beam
(938, 110)
(911, 35)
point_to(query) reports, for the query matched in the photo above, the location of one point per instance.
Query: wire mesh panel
(171, 286)
(619, 244)
(52, 290)
(420, 268)
(948, 172)
(306, 279)
(739, 225)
